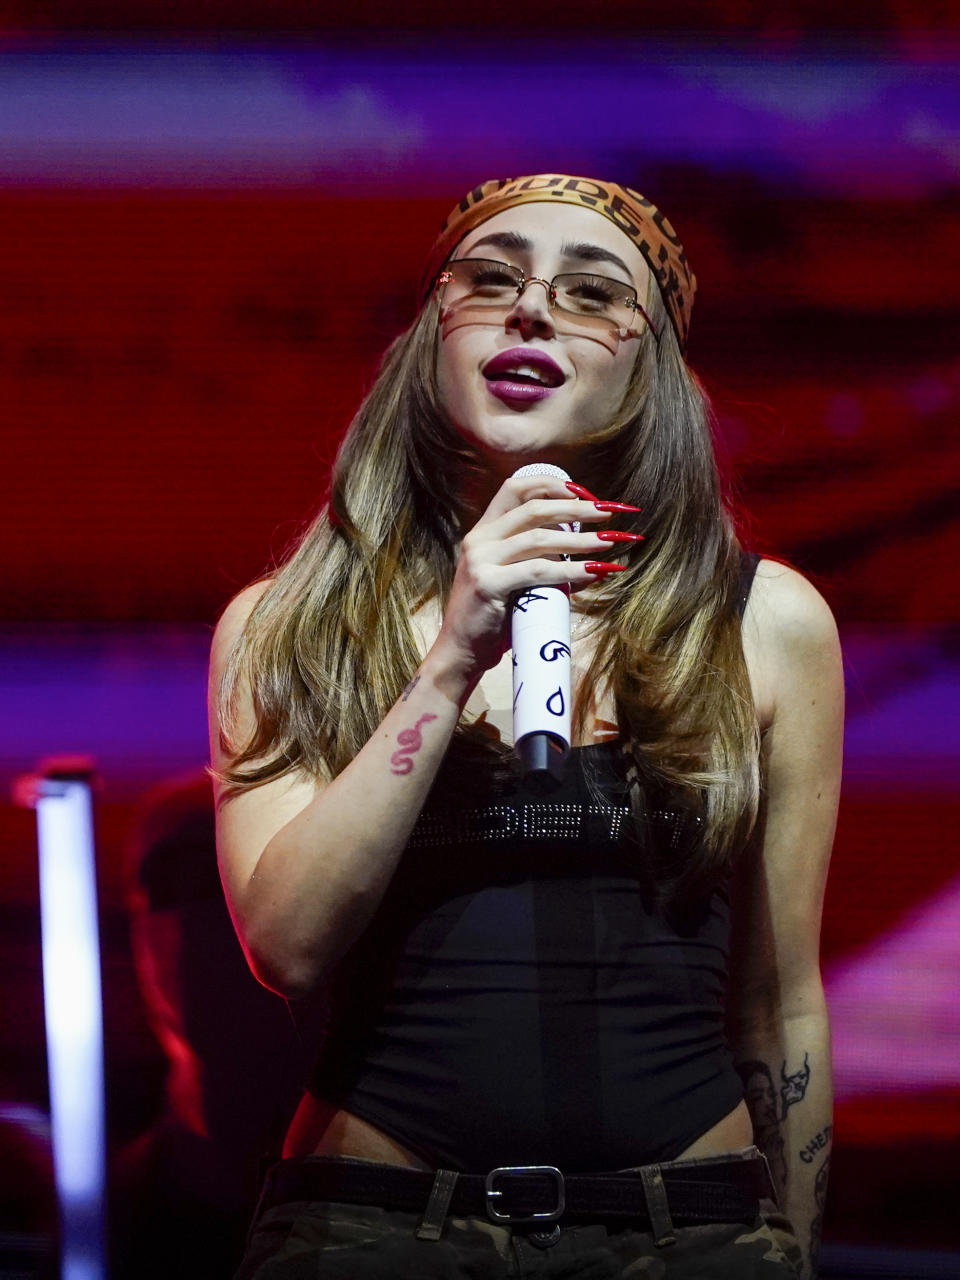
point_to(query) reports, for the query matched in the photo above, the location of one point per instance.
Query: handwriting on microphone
(553, 650)
(410, 740)
(555, 703)
(523, 602)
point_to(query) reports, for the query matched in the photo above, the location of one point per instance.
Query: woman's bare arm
(305, 866)
(778, 1015)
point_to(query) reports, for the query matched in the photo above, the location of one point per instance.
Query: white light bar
(74, 1017)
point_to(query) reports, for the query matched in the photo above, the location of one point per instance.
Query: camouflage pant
(325, 1241)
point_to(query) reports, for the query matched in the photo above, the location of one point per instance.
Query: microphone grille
(547, 469)
(541, 469)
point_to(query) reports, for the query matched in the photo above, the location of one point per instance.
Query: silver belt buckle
(506, 1171)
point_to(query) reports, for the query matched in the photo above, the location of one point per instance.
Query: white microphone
(540, 635)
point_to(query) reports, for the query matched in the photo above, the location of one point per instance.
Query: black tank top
(518, 999)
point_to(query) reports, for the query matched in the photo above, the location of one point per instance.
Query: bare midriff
(322, 1129)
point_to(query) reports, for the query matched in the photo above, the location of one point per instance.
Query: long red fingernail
(580, 491)
(615, 506)
(614, 535)
(603, 567)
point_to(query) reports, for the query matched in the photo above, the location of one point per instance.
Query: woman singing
(560, 1017)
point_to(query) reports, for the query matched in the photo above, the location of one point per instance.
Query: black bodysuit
(518, 1000)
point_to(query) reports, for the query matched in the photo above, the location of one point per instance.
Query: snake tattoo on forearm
(410, 740)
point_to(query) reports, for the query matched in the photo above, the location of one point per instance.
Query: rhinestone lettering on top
(513, 822)
(676, 820)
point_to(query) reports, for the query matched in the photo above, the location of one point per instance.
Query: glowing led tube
(74, 1019)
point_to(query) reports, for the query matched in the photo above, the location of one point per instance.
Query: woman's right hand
(517, 543)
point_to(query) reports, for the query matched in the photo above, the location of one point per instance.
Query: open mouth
(524, 368)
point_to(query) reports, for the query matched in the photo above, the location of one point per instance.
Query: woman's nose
(531, 314)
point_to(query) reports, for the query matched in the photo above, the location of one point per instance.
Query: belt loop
(441, 1193)
(658, 1207)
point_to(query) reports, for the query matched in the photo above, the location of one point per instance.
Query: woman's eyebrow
(504, 240)
(583, 251)
(580, 250)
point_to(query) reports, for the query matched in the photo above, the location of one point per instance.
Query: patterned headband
(636, 217)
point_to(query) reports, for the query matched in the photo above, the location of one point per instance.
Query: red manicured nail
(614, 506)
(603, 567)
(580, 491)
(614, 535)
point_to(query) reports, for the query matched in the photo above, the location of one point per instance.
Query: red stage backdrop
(208, 244)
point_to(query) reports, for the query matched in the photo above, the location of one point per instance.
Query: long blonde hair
(330, 645)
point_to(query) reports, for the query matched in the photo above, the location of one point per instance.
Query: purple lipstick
(523, 376)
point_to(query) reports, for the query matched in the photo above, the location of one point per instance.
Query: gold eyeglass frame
(633, 302)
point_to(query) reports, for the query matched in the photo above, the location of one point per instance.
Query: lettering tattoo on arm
(410, 740)
(816, 1143)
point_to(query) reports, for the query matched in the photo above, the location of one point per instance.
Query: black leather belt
(717, 1189)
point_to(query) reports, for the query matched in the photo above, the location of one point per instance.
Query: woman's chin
(506, 446)
(510, 455)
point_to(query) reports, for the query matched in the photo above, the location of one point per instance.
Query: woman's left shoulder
(785, 609)
(789, 637)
